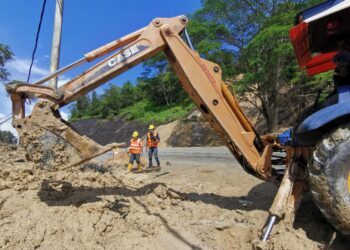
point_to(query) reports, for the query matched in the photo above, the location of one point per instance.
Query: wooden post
(56, 42)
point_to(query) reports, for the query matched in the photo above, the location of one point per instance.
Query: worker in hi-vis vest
(135, 151)
(152, 145)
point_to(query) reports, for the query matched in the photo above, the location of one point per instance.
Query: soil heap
(178, 208)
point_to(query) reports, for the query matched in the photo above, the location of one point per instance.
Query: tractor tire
(329, 177)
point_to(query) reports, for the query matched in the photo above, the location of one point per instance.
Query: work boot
(129, 167)
(139, 166)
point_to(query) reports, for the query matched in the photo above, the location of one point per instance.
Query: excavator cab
(319, 33)
(321, 40)
(321, 37)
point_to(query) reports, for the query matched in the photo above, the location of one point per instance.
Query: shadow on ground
(63, 193)
(260, 197)
(317, 228)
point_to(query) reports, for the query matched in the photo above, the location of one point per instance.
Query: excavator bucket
(51, 143)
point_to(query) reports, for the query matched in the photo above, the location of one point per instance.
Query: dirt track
(181, 207)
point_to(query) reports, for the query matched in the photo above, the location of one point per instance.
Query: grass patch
(147, 112)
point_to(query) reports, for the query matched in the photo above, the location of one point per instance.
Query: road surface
(194, 156)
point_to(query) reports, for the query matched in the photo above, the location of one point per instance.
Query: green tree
(6, 55)
(272, 80)
(81, 108)
(7, 137)
(206, 37)
(111, 101)
(269, 65)
(95, 105)
(160, 84)
(129, 94)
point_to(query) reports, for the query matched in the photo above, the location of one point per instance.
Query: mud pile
(194, 131)
(119, 161)
(179, 208)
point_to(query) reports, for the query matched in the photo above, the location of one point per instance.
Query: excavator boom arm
(201, 79)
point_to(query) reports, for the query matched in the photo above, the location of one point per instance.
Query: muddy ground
(181, 207)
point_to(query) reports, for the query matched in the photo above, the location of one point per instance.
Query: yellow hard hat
(151, 126)
(135, 134)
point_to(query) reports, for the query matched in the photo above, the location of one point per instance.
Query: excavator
(316, 151)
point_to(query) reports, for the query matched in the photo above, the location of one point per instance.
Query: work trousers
(151, 152)
(134, 157)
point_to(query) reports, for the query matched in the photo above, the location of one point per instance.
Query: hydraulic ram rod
(61, 71)
(103, 50)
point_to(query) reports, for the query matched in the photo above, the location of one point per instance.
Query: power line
(36, 39)
(9, 118)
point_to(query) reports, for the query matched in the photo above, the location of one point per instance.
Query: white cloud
(64, 115)
(19, 68)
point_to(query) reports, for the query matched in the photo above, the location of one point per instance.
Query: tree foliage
(6, 55)
(7, 137)
(109, 104)
(272, 81)
(269, 65)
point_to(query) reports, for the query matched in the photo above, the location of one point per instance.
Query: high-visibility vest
(151, 143)
(135, 146)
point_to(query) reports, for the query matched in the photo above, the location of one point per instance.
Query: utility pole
(56, 42)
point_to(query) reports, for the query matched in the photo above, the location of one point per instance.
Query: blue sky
(87, 25)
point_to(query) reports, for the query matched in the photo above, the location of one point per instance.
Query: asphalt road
(197, 156)
(194, 156)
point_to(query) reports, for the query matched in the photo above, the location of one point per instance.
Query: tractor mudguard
(311, 130)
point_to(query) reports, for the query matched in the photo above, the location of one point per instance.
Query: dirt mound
(119, 161)
(179, 208)
(194, 131)
(165, 132)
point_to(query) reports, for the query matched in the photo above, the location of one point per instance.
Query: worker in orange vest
(135, 151)
(152, 145)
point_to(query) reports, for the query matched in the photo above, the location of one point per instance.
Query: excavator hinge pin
(168, 31)
(157, 22)
(183, 19)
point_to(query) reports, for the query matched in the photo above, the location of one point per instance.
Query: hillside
(190, 131)
(106, 131)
